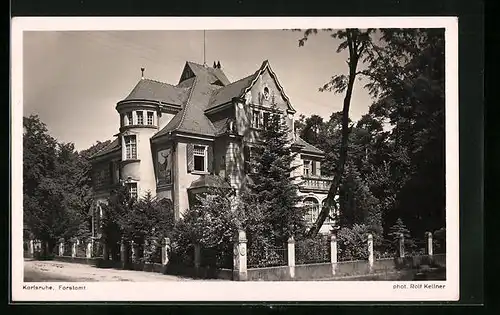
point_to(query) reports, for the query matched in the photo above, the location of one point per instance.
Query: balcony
(317, 184)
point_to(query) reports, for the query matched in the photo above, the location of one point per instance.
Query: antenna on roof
(142, 73)
(204, 60)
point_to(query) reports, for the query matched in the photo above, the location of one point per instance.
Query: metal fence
(214, 257)
(310, 251)
(385, 249)
(268, 256)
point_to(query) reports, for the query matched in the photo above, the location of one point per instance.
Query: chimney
(215, 65)
(142, 73)
(218, 64)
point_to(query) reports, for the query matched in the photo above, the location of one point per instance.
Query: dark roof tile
(112, 147)
(147, 89)
(212, 74)
(192, 118)
(307, 147)
(226, 93)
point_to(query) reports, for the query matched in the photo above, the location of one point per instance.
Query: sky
(73, 80)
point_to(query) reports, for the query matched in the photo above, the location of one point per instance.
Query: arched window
(312, 209)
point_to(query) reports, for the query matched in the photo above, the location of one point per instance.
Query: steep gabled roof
(240, 87)
(228, 92)
(307, 147)
(147, 89)
(192, 118)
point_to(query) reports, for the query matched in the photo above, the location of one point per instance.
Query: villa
(176, 140)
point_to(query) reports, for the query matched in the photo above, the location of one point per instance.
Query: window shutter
(189, 157)
(210, 159)
(317, 171)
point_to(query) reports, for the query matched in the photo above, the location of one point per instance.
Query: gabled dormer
(187, 73)
(210, 75)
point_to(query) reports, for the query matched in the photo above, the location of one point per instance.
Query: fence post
(240, 257)
(145, 252)
(370, 253)
(105, 254)
(429, 244)
(165, 251)
(73, 249)
(32, 249)
(61, 248)
(89, 249)
(123, 253)
(197, 258)
(333, 253)
(401, 245)
(291, 256)
(134, 251)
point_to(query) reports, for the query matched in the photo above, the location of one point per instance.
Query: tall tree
(50, 201)
(357, 42)
(271, 183)
(406, 72)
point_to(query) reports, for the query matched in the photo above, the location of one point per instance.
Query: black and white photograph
(177, 161)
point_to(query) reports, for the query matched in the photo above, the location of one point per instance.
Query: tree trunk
(332, 192)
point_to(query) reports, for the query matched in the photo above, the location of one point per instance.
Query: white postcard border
(214, 290)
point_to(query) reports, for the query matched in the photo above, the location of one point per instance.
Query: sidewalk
(38, 271)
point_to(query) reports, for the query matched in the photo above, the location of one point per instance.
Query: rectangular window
(266, 120)
(313, 164)
(129, 119)
(307, 168)
(132, 190)
(150, 118)
(130, 147)
(140, 118)
(200, 158)
(256, 121)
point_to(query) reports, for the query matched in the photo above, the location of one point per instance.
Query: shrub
(395, 231)
(353, 242)
(313, 250)
(211, 223)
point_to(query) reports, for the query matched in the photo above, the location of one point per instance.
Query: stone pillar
(135, 252)
(61, 248)
(333, 253)
(401, 245)
(370, 252)
(89, 249)
(165, 251)
(197, 256)
(105, 254)
(291, 256)
(73, 249)
(429, 244)
(145, 254)
(240, 257)
(123, 253)
(32, 248)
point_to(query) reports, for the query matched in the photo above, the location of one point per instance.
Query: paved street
(44, 271)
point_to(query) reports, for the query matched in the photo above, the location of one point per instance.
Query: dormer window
(140, 118)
